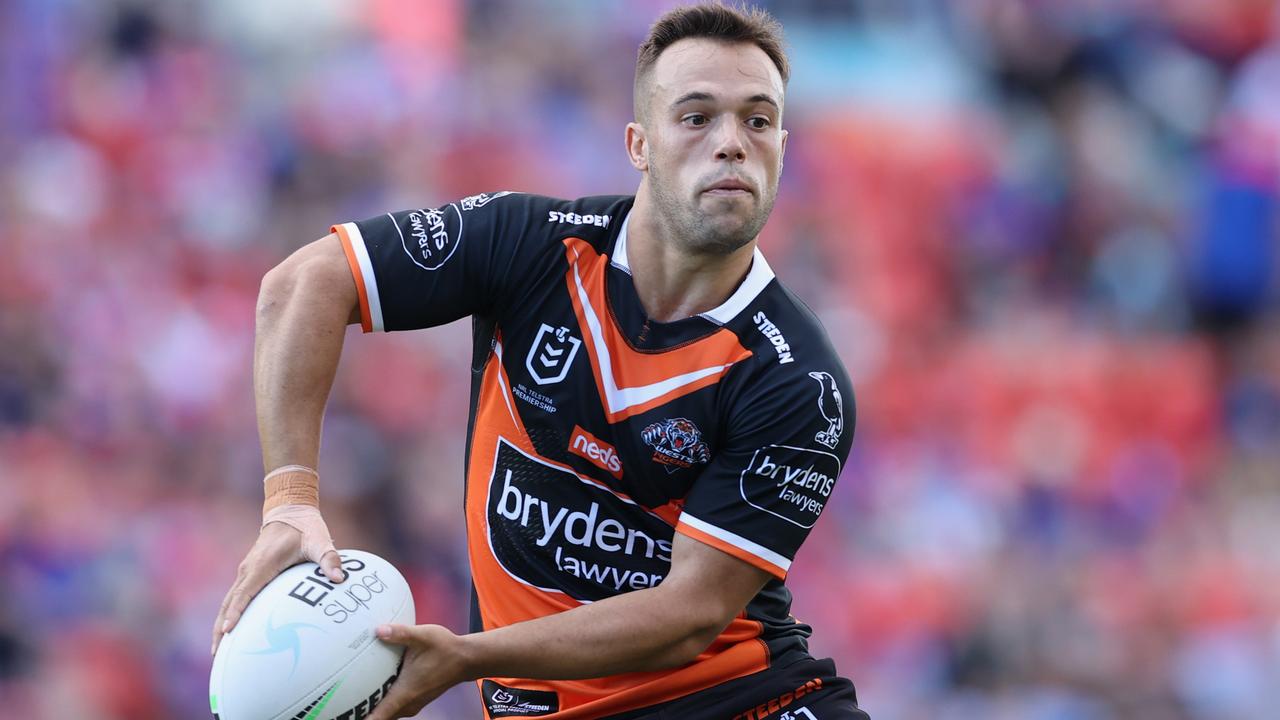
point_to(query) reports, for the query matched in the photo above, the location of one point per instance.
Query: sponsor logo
(362, 708)
(339, 603)
(552, 529)
(315, 707)
(503, 701)
(774, 335)
(479, 201)
(551, 354)
(831, 405)
(430, 243)
(776, 705)
(284, 639)
(677, 443)
(600, 453)
(789, 482)
(576, 219)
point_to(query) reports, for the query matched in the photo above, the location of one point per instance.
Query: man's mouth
(728, 188)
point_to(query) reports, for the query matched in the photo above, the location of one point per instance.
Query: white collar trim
(757, 278)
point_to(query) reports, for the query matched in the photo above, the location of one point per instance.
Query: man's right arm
(304, 306)
(395, 271)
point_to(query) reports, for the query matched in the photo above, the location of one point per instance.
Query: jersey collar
(758, 277)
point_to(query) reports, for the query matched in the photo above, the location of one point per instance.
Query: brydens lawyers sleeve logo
(677, 443)
(831, 406)
(551, 354)
(790, 482)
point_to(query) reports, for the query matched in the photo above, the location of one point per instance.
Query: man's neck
(672, 283)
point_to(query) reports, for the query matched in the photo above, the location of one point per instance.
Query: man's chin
(723, 233)
(727, 211)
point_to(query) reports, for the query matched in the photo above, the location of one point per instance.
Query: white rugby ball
(305, 647)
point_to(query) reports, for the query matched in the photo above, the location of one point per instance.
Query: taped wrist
(290, 485)
(293, 498)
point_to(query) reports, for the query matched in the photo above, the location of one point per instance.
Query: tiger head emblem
(677, 443)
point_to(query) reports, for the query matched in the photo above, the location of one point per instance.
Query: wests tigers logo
(677, 443)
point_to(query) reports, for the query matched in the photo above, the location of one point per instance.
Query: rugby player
(656, 422)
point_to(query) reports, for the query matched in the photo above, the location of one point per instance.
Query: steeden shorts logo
(772, 706)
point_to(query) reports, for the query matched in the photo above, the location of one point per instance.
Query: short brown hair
(715, 21)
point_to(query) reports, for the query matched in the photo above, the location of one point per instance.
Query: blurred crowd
(1043, 237)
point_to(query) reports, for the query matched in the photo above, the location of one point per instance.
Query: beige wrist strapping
(290, 485)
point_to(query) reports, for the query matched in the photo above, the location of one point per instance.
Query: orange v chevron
(632, 382)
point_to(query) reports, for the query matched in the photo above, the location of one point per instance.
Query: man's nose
(729, 145)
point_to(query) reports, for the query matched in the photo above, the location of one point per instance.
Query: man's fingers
(222, 614)
(244, 591)
(397, 697)
(219, 623)
(332, 565)
(394, 634)
(278, 546)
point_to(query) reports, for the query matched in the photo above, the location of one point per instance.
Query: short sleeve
(427, 267)
(765, 489)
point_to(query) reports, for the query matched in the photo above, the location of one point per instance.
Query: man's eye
(695, 120)
(759, 122)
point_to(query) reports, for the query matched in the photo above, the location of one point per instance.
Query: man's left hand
(432, 664)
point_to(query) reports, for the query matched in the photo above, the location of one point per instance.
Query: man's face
(713, 142)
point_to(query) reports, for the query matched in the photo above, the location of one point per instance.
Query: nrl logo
(677, 443)
(551, 354)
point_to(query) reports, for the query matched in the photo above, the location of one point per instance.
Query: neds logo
(600, 453)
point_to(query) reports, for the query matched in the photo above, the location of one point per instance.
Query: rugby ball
(305, 647)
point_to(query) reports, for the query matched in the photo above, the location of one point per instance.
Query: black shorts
(804, 690)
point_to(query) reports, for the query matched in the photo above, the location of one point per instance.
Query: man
(656, 422)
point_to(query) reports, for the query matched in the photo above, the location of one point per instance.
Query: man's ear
(783, 154)
(637, 146)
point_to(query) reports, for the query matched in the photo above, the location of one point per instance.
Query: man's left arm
(660, 627)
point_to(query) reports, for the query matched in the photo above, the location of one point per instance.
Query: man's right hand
(279, 547)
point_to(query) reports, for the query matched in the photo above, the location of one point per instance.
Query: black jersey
(596, 434)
